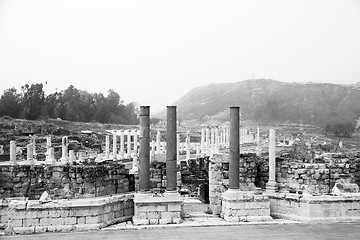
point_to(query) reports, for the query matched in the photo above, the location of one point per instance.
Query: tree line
(70, 104)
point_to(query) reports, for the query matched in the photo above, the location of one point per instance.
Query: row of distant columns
(171, 149)
(213, 138)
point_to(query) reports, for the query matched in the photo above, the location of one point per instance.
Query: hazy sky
(153, 52)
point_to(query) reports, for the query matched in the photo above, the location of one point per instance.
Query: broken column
(12, 152)
(29, 153)
(241, 206)
(271, 185)
(72, 158)
(144, 171)
(64, 150)
(152, 208)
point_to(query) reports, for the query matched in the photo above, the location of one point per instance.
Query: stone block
(137, 221)
(15, 223)
(24, 230)
(80, 220)
(40, 229)
(70, 220)
(174, 207)
(45, 222)
(164, 221)
(153, 221)
(91, 220)
(31, 222)
(86, 227)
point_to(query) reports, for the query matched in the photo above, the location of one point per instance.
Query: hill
(270, 101)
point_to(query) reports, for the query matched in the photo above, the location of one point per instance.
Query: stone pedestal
(154, 209)
(245, 206)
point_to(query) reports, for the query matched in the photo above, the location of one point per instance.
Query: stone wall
(307, 208)
(67, 215)
(195, 177)
(63, 181)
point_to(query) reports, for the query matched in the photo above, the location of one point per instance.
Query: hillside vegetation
(269, 101)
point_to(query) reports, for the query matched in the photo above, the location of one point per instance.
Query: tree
(33, 100)
(10, 103)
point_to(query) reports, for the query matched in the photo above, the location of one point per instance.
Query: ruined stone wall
(316, 178)
(72, 182)
(31, 216)
(195, 177)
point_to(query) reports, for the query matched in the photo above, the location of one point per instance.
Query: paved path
(346, 231)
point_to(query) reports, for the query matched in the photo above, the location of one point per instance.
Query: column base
(157, 209)
(272, 186)
(245, 206)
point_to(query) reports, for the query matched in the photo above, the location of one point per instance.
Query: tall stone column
(171, 149)
(258, 136)
(33, 139)
(107, 147)
(12, 152)
(271, 184)
(144, 156)
(158, 139)
(114, 146)
(122, 145)
(234, 148)
(208, 146)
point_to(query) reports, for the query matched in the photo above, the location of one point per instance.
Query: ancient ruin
(150, 173)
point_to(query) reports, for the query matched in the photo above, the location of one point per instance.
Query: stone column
(72, 158)
(208, 149)
(152, 149)
(188, 145)
(258, 136)
(271, 184)
(171, 149)
(212, 142)
(64, 150)
(128, 151)
(33, 139)
(107, 147)
(114, 146)
(158, 139)
(122, 145)
(144, 171)
(177, 146)
(29, 154)
(12, 151)
(203, 141)
(234, 148)
(48, 142)
(217, 140)
(197, 147)
(135, 143)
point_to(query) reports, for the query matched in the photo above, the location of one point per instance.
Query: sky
(154, 52)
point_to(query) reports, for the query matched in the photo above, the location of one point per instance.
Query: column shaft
(234, 148)
(144, 155)
(171, 149)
